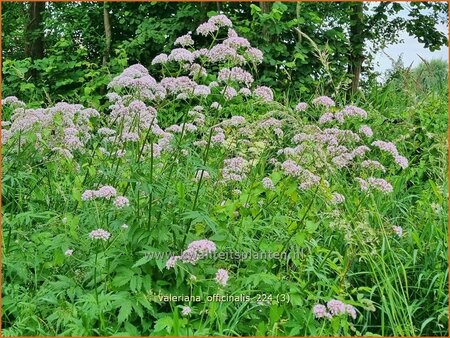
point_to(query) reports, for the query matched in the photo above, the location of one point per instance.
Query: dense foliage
(107, 211)
(78, 59)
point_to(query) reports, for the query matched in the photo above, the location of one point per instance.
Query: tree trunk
(356, 38)
(266, 7)
(297, 15)
(108, 34)
(204, 6)
(34, 34)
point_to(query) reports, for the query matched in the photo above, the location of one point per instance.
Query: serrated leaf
(122, 277)
(164, 323)
(142, 261)
(125, 311)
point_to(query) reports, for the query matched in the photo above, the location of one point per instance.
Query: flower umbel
(99, 234)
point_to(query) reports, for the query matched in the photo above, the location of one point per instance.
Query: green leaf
(123, 276)
(299, 239)
(311, 226)
(164, 323)
(199, 217)
(275, 313)
(254, 9)
(125, 310)
(141, 261)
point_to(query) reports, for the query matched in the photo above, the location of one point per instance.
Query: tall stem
(303, 218)
(150, 197)
(205, 158)
(95, 276)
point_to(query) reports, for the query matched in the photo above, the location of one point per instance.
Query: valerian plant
(114, 221)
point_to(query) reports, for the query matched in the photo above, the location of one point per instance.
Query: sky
(409, 49)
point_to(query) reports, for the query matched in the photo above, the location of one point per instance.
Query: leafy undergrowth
(199, 205)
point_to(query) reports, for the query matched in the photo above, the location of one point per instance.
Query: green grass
(399, 285)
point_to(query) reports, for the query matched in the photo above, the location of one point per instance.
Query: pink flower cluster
(334, 308)
(206, 28)
(337, 198)
(218, 138)
(133, 117)
(327, 117)
(235, 74)
(309, 180)
(203, 174)
(184, 41)
(373, 165)
(350, 111)
(181, 84)
(254, 55)
(234, 169)
(291, 168)
(160, 59)
(222, 53)
(380, 184)
(135, 77)
(366, 130)
(99, 234)
(268, 184)
(234, 121)
(221, 277)
(397, 230)
(302, 106)
(392, 149)
(345, 158)
(194, 252)
(13, 101)
(213, 25)
(386, 146)
(106, 192)
(202, 90)
(270, 123)
(181, 55)
(229, 92)
(245, 92)
(324, 101)
(196, 71)
(69, 124)
(216, 105)
(121, 202)
(377, 183)
(263, 92)
(237, 42)
(186, 311)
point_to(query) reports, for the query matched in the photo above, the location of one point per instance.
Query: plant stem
(150, 197)
(95, 275)
(205, 158)
(303, 217)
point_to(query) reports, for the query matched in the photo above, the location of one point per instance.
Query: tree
(370, 27)
(13, 29)
(356, 40)
(344, 36)
(108, 33)
(34, 33)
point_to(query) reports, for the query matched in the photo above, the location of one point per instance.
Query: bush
(198, 204)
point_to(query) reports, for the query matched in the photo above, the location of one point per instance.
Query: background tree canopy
(54, 51)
